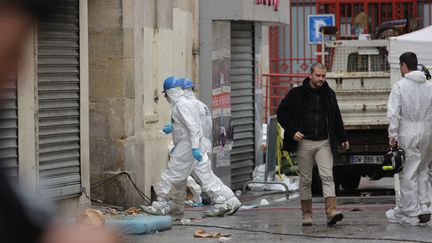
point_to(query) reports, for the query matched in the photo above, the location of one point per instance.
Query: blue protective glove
(168, 128)
(197, 154)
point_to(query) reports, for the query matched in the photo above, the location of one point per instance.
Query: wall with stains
(134, 45)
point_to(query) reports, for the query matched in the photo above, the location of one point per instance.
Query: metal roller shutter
(242, 103)
(9, 131)
(59, 104)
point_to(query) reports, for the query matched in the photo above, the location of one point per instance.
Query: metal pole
(322, 47)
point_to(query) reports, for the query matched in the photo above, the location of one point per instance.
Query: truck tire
(350, 181)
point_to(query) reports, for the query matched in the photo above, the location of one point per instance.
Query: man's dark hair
(410, 59)
(317, 65)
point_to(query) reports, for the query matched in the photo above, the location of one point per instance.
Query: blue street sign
(315, 22)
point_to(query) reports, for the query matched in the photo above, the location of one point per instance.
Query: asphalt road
(280, 221)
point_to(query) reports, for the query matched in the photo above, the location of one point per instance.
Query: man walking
(409, 111)
(313, 128)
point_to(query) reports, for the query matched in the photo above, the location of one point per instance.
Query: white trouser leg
(195, 189)
(409, 190)
(211, 184)
(175, 175)
(424, 174)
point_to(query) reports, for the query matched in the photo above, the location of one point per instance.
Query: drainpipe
(196, 44)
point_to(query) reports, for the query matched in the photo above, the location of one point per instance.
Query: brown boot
(333, 216)
(307, 212)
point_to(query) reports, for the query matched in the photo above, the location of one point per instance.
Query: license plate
(366, 159)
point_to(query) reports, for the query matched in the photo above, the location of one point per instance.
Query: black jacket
(290, 115)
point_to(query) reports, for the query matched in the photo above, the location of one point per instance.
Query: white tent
(419, 42)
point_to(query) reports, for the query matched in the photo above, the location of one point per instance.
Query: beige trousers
(309, 152)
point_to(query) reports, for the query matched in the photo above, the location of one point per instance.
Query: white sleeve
(393, 111)
(190, 118)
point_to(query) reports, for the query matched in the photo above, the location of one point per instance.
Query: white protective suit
(211, 184)
(409, 111)
(186, 134)
(192, 185)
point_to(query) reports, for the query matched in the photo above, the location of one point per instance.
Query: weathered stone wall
(134, 46)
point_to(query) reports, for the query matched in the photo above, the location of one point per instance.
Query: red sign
(274, 3)
(221, 101)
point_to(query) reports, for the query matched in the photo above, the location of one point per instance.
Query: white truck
(359, 73)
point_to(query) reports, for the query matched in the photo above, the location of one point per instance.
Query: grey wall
(245, 10)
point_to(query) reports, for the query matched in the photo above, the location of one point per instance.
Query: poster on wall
(221, 106)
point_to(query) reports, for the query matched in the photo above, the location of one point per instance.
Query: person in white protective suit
(187, 153)
(223, 197)
(409, 111)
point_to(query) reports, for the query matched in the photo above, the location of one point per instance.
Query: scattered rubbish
(112, 211)
(224, 239)
(258, 175)
(246, 207)
(204, 234)
(90, 218)
(356, 210)
(238, 193)
(185, 221)
(264, 202)
(293, 196)
(132, 211)
(292, 182)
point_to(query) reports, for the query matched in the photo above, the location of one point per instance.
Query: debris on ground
(185, 221)
(356, 210)
(292, 182)
(90, 218)
(112, 211)
(204, 234)
(264, 202)
(132, 211)
(224, 239)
